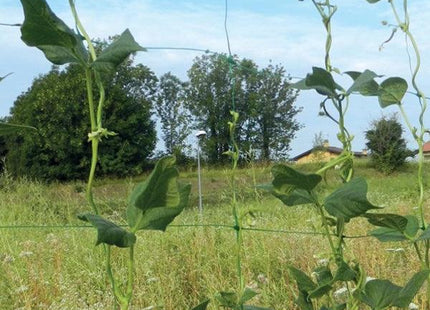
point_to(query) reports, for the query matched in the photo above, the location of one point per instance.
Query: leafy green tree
(274, 113)
(261, 97)
(210, 101)
(174, 117)
(55, 104)
(386, 144)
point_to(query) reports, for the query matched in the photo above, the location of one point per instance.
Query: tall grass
(53, 268)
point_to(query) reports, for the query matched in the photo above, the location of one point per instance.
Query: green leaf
(44, 30)
(320, 291)
(159, 199)
(202, 306)
(425, 235)
(389, 234)
(6, 128)
(304, 283)
(247, 295)
(387, 220)
(108, 232)
(373, 1)
(411, 289)
(117, 52)
(286, 179)
(227, 299)
(364, 83)
(297, 197)
(323, 275)
(303, 301)
(344, 273)
(322, 81)
(349, 201)
(379, 294)
(301, 85)
(391, 91)
(159, 218)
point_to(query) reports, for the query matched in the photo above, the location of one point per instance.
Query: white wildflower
(152, 280)
(262, 278)
(21, 289)
(25, 253)
(413, 306)
(341, 294)
(323, 262)
(252, 286)
(8, 259)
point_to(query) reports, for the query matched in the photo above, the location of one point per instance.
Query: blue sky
(288, 32)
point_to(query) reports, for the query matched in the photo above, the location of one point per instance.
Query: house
(426, 150)
(325, 153)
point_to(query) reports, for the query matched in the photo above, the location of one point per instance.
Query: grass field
(60, 268)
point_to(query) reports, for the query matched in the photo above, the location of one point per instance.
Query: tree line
(55, 105)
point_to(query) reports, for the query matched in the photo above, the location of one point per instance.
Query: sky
(287, 32)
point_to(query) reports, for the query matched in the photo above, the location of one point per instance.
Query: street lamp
(200, 135)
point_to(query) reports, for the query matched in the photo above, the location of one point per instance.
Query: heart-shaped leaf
(425, 235)
(286, 179)
(323, 275)
(159, 199)
(117, 52)
(295, 198)
(108, 232)
(390, 234)
(392, 91)
(322, 81)
(227, 299)
(320, 291)
(411, 289)
(364, 83)
(303, 301)
(344, 272)
(202, 306)
(304, 283)
(247, 295)
(379, 294)
(44, 30)
(349, 201)
(387, 220)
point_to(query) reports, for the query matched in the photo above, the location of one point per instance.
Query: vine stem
(404, 26)
(96, 124)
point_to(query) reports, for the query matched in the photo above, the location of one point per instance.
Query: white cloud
(292, 34)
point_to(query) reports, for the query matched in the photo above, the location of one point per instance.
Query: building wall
(319, 156)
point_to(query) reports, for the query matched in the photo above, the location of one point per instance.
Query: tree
(55, 105)
(209, 100)
(262, 98)
(175, 119)
(274, 113)
(388, 148)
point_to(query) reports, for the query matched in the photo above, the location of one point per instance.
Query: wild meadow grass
(58, 268)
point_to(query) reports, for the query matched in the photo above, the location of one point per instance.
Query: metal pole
(199, 178)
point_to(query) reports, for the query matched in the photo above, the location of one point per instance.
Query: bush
(56, 105)
(387, 147)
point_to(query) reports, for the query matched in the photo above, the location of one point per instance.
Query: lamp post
(200, 135)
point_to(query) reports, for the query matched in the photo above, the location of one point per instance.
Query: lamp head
(201, 134)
